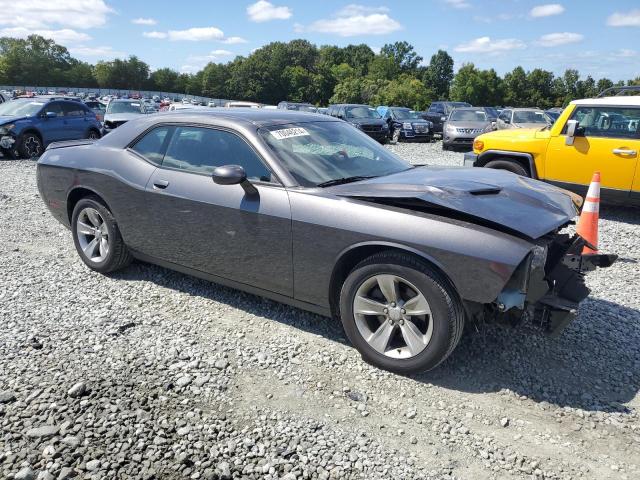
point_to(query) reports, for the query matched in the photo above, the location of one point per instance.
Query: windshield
(452, 105)
(302, 108)
(405, 114)
(468, 116)
(361, 112)
(319, 152)
(124, 107)
(529, 116)
(20, 108)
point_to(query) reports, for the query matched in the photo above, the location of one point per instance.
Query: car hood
(481, 125)
(497, 197)
(120, 117)
(4, 119)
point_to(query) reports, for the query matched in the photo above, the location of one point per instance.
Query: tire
(438, 332)
(93, 134)
(445, 146)
(115, 255)
(509, 165)
(30, 146)
(395, 137)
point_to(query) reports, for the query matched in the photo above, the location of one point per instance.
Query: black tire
(118, 256)
(445, 146)
(447, 313)
(93, 134)
(30, 146)
(510, 165)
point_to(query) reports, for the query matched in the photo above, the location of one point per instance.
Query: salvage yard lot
(187, 379)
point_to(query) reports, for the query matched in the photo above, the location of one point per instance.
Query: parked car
(406, 124)
(27, 126)
(596, 134)
(98, 108)
(522, 118)
(300, 107)
(120, 111)
(242, 105)
(363, 117)
(463, 125)
(394, 263)
(553, 114)
(439, 111)
(323, 110)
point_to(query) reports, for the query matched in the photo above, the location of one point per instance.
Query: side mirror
(493, 125)
(507, 120)
(573, 130)
(233, 175)
(50, 114)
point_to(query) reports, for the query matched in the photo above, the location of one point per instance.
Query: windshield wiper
(343, 180)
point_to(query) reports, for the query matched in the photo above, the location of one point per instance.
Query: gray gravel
(152, 374)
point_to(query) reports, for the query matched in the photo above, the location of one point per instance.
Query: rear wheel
(509, 165)
(400, 314)
(30, 146)
(93, 135)
(97, 237)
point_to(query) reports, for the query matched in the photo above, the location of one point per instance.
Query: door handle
(621, 151)
(160, 184)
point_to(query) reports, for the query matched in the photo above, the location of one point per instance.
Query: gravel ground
(152, 374)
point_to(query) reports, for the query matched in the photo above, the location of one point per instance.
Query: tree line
(299, 71)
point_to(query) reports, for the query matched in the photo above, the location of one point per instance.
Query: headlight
(407, 126)
(4, 129)
(450, 128)
(444, 119)
(478, 145)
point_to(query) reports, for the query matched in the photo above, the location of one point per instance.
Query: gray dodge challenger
(307, 210)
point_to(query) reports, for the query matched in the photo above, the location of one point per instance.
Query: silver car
(463, 125)
(523, 118)
(120, 111)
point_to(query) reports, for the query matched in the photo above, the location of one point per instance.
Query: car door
(53, 129)
(77, 123)
(219, 229)
(610, 144)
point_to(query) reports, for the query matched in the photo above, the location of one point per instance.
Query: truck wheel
(509, 165)
(400, 313)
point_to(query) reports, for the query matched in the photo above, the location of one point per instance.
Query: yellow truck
(598, 134)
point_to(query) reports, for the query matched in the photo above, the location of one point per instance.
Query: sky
(599, 38)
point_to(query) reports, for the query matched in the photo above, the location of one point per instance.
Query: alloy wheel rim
(93, 235)
(32, 146)
(393, 316)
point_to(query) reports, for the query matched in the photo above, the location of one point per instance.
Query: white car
(242, 105)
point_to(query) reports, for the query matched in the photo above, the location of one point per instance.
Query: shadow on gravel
(629, 215)
(594, 365)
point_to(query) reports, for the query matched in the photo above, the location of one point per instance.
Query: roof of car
(620, 100)
(257, 116)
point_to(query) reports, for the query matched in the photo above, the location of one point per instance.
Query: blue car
(28, 125)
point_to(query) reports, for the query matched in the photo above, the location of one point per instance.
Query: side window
(55, 107)
(610, 122)
(200, 150)
(73, 109)
(153, 144)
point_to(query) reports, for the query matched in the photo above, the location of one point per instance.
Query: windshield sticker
(289, 133)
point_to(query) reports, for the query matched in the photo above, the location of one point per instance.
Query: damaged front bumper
(548, 285)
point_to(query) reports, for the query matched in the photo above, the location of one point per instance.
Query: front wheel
(30, 146)
(400, 313)
(97, 237)
(93, 135)
(509, 165)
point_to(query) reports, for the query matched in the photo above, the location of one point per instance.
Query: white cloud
(196, 34)
(233, 40)
(43, 14)
(63, 36)
(629, 19)
(221, 53)
(459, 4)
(101, 52)
(547, 10)
(263, 11)
(154, 34)
(144, 21)
(354, 20)
(487, 45)
(625, 53)
(562, 38)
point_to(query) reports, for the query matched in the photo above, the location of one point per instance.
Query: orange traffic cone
(588, 223)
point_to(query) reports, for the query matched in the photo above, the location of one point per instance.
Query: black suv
(363, 117)
(439, 111)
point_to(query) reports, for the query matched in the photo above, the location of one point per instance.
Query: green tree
(539, 91)
(405, 91)
(383, 67)
(516, 88)
(439, 74)
(403, 55)
(164, 79)
(603, 84)
(478, 87)
(215, 78)
(131, 73)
